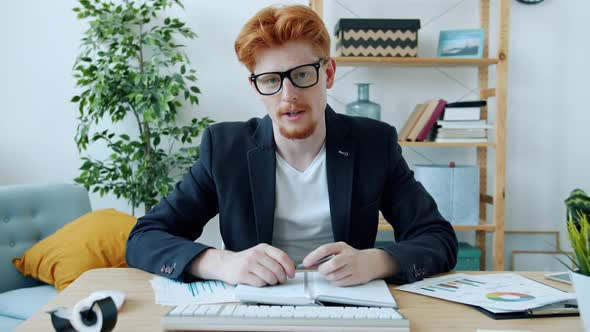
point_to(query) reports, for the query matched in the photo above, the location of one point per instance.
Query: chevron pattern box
(377, 37)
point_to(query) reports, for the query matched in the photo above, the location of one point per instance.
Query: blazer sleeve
(162, 241)
(426, 243)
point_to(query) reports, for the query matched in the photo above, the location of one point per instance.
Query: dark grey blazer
(235, 178)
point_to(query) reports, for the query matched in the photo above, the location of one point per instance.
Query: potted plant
(133, 72)
(578, 226)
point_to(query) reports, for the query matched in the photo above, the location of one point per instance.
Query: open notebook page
(292, 292)
(374, 293)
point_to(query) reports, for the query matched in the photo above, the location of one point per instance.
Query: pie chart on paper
(509, 297)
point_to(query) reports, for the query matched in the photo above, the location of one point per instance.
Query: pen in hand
(320, 261)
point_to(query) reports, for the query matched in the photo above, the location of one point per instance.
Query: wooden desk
(140, 313)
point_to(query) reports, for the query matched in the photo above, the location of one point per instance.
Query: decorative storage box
(455, 190)
(468, 258)
(377, 37)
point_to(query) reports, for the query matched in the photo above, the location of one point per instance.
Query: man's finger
(283, 259)
(276, 268)
(264, 274)
(347, 281)
(338, 274)
(321, 252)
(334, 264)
(254, 280)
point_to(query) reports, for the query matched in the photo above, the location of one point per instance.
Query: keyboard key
(282, 318)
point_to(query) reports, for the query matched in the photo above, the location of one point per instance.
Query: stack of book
(422, 120)
(439, 121)
(461, 122)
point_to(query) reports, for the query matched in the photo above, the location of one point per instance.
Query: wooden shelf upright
(500, 63)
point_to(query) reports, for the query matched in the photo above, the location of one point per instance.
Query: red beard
(299, 131)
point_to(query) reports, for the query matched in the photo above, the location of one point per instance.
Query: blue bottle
(363, 106)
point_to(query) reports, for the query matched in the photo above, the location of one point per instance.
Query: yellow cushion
(96, 239)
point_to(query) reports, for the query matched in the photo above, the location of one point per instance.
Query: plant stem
(137, 118)
(146, 127)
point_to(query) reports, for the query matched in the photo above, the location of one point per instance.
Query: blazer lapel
(340, 151)
(261, 168)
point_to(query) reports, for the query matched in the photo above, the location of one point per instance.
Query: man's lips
(292, 115)
(293, 112)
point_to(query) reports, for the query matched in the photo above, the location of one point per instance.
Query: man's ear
(330, 72)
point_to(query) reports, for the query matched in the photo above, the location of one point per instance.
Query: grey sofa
(29, 213)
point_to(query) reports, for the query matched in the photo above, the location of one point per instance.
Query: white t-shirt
(302, 212)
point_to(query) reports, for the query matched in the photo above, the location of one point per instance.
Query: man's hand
(351, 266)
(258, 266)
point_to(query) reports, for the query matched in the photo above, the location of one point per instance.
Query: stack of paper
(170, 292)
(495, 292)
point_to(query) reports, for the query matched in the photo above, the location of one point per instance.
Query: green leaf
(140, 79)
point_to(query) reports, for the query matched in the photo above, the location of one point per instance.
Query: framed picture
(461, 43)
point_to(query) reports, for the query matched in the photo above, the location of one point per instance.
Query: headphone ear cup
(530, 2)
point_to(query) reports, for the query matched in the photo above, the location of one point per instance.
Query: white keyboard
(234, 317)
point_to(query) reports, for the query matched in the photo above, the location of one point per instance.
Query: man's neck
(300, 153)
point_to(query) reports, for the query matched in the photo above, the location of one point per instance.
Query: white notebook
(308, 288)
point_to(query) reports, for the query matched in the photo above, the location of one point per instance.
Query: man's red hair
(276, 25)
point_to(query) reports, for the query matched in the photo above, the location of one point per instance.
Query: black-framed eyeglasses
(304, 76)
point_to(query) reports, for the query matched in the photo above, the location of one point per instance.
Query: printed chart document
(308, 288)
(171, 292)
(497, 293)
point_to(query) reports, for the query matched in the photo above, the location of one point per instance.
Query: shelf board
(349, 61)
(481, 227)
(384, 226)
(472, 144)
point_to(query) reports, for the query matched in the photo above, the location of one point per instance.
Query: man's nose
(289, 91)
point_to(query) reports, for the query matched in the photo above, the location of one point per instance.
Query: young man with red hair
(298, 185)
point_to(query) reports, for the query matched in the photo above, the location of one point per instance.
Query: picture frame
(467, 43)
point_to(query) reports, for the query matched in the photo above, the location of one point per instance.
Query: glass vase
(363, 106)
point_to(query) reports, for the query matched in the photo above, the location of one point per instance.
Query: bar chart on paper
(453, 285)
(503, 291)
(171, 292)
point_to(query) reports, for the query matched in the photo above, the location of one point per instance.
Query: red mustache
(292, 107)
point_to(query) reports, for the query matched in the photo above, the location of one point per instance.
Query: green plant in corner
(580, 239)
(133, 69)
(578, 227)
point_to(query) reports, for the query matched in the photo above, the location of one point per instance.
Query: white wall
(547, 115)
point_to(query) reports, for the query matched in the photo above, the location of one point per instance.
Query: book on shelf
(462, 114)
(461, 140)
(461, 133)
(309, 288)
(471, 124)
(427, 119)
(463, 110)
(411, 122)
(436, 116)
(470, 103)
(428, 126)
(421, 121)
